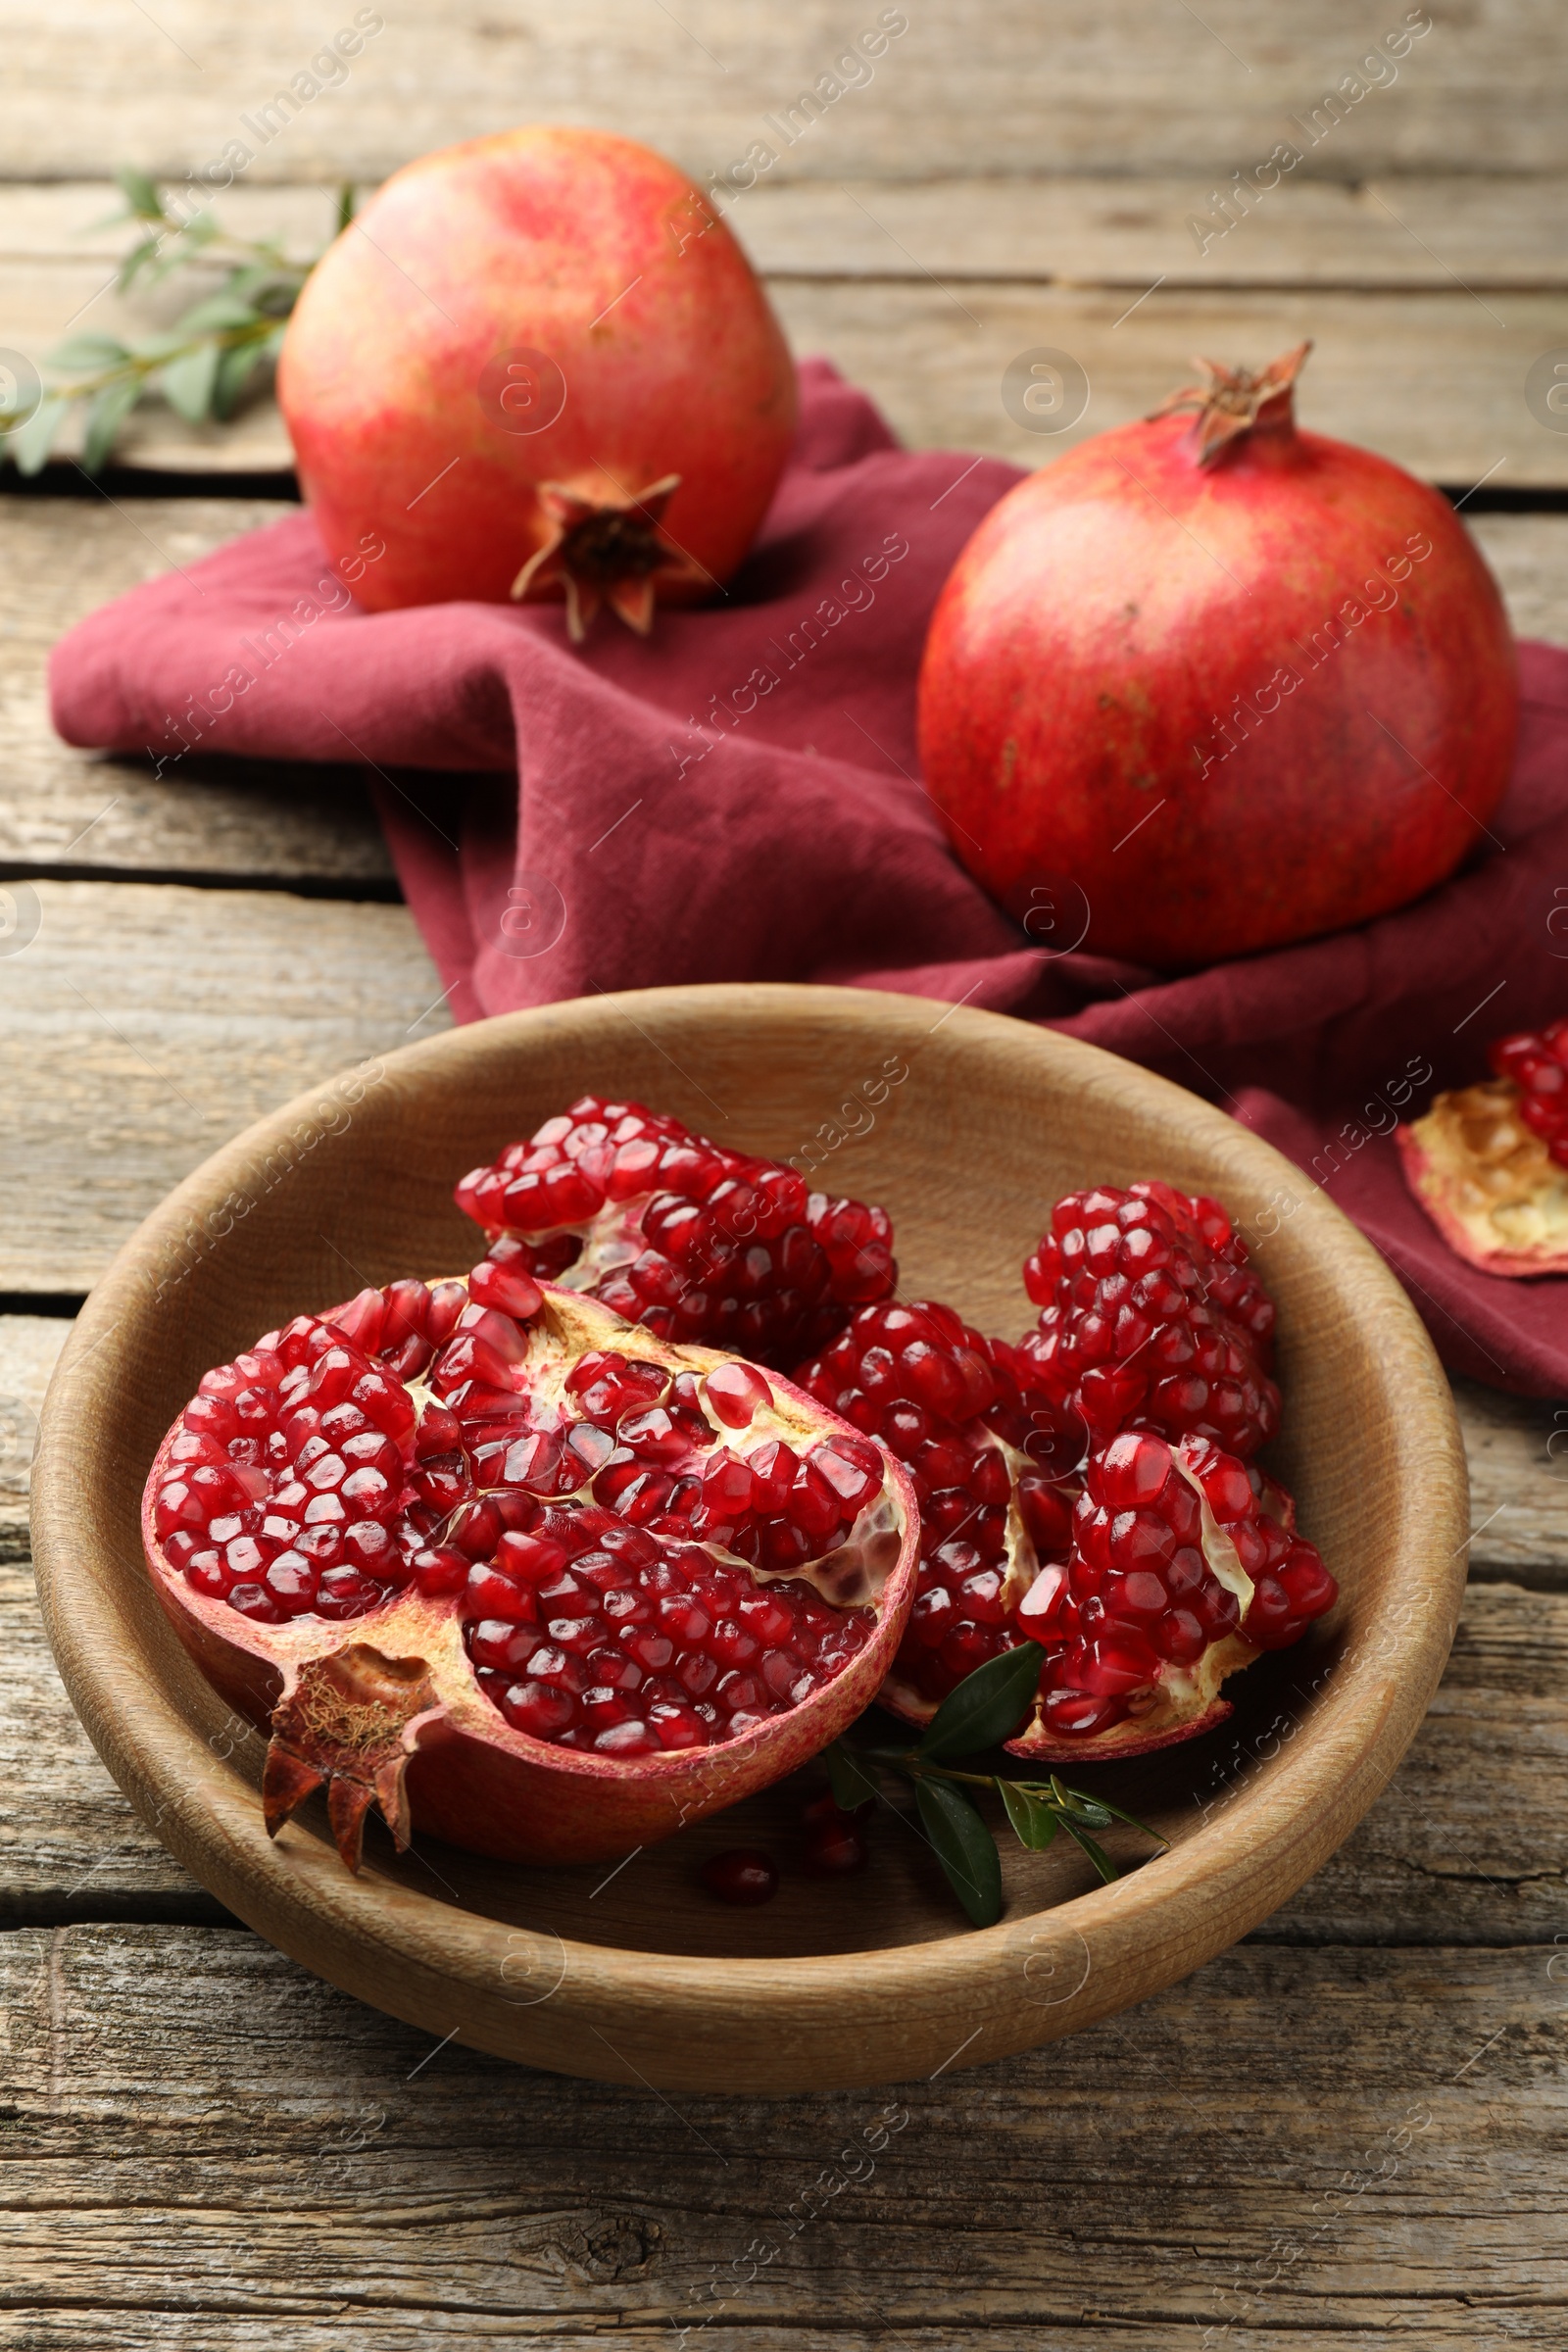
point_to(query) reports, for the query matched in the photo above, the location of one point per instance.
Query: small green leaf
(109, 410)
(140, 257)
(1097, 1854)
(1073, 1804)
(965, 1847)
(985, 1706)
(189, 382)
(139, 193)
(81, 353)
(29, 445)
(347, 200)
(851, 1784)
(235, 368)
(1034, 1821)
(217, 314)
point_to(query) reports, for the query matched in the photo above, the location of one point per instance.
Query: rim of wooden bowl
(823, 2019)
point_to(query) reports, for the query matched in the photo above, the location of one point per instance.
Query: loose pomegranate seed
(677, 1233)
(627, 1556)
(834, 1846)
(1150, 1320)
(1538, 1064)
(744, 1874)
(992, 1459)
(1152, 1582)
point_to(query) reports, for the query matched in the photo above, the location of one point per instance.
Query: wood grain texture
(642, 1974)
(63, 807)
(1434, 378)
(1291, 2150)
(1013, 89)
(143, 1025)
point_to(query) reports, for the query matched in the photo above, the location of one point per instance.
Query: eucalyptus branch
(202, 364)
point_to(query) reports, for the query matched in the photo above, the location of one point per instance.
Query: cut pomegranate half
(994, 1462)
(549, 1583)
(1184, 1565)
(679, 1234)
(1151, 1318)
(1485, 1164)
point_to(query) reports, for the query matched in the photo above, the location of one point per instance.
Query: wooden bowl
(966, 1126)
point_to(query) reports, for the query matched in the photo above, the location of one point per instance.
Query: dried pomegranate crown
(680, 1235)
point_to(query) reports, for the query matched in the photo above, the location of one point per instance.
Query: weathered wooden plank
(1010, 91)
(1529, 553)
(1433, 379)
(1301, 2148)
(1518, 1454)
(142, 1026)
(1414, 231)
(63, 807)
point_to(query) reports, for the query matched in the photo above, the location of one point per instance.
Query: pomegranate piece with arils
(993, 1460)
(1184, 1566)
(1538, 1064)
(680, 1235)
(1151, 1318)
(550, 1583)
(1488, 1164)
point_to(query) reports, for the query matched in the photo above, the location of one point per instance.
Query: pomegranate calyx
(606, 551)
(350, 1719)
(1233, 401)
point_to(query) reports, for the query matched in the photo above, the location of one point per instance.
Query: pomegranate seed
(834, 1846)
(1538, 1064)
(743, 1875)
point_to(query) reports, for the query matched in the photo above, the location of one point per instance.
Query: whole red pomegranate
(538, 1581)
(1236, 683)
(537, 365)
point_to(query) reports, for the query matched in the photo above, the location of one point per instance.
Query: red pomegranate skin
(1237, 704)
(589, 248)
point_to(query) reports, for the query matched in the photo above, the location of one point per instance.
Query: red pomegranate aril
(833, 1846)
(742, 1875)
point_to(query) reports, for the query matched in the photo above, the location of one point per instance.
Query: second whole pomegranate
(537, 365)
(1230, 683)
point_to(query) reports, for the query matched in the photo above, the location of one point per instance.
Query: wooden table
(1351, 2127)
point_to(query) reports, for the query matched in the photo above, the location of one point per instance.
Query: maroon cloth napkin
(738, 797)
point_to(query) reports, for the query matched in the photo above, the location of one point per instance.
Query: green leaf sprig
(978, 1715)
(204, 362)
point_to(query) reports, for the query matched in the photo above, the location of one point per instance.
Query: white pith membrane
(1489, 1186)
(1184, 1694)
(358, 1692)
